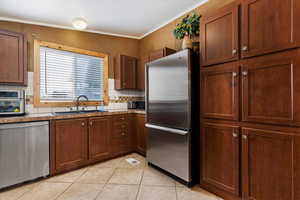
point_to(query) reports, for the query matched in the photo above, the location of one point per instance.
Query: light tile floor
(111, 180)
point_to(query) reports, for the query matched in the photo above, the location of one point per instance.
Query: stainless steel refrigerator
(169, 104)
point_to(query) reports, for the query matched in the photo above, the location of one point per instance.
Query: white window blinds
(65, 75)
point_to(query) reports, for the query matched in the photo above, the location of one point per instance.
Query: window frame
(36, 79)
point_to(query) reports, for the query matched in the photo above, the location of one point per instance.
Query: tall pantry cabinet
(250, 94)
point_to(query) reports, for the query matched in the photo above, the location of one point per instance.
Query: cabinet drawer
(120, 132)
(120, 118)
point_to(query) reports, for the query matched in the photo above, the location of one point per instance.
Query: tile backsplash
(118, 99)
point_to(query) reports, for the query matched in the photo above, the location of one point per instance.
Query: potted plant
(187, 29)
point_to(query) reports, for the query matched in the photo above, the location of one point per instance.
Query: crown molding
(66, 27)
(174, 18)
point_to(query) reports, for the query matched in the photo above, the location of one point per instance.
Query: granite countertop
(51, 116)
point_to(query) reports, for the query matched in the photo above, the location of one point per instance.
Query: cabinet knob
(234, 74)
(234, 134)
(245, 73)
(245, 137)
(244, 48)
(91, 123)
(234, 51)
(82, 124)
(123, 133)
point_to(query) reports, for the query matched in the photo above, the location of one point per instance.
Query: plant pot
(187, 43)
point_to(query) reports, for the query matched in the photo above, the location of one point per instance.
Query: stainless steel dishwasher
(24, 152)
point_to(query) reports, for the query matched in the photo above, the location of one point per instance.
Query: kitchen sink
(78, 112)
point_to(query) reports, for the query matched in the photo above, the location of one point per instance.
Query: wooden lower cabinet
(71, 149)
(270, 165)
(258, 163)
(81, 141)
(100, 129)
(122, 135)
(220, 157)
(141, 134)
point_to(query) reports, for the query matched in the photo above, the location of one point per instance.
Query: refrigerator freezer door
(168, 91)
(170, 152)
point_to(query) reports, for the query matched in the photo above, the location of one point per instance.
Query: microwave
(12, 102)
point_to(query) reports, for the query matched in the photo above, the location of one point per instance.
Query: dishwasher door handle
(23, 125)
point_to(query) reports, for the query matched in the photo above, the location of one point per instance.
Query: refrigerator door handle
(172, 130)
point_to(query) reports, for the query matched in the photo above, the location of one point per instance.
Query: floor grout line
(140, 185)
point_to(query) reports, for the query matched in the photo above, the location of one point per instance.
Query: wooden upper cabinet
(220, 36)
(13, 58)
(220, 91)
(100, 129)
(269, 26)
(125, 72)
(160, 53)
(220, 156)
(71, 139)
(271, 88)
(270, 163)
(141, 72)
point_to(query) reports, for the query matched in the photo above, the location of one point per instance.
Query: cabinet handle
(82, 124)
(245, 48)
(245, 73)
(234, 51)
(123, 133)
(91, 123)
(234, 135)
(245, 137)
(234, 74)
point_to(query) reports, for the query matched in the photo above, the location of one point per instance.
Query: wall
(90, 41)
(163, 37)
(110, 45)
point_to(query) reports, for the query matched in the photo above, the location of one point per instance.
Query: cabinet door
(160, 53)
(268, 88)
(220, 156)
(141, 72)
(270, 165)
(220, 91)
(129, 72)
(70, 143)
(13, 65)
(100, 129)
(219, 36)
(125, 72)
(269, 26)
(141, 137)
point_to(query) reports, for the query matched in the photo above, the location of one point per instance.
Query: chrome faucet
(78, 101)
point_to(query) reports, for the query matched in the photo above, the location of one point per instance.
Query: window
(63, 73)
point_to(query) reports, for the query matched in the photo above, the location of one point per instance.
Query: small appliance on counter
(12, 102)
(136, 105)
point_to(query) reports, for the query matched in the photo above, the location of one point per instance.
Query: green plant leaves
(188, 26)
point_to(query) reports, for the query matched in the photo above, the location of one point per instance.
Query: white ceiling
(128, 18)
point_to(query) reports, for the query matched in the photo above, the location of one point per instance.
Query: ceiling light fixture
(79, 23)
